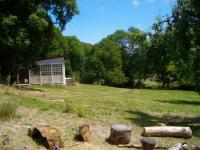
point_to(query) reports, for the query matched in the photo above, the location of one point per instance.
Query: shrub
(7, 111)
(140, 84)
(67, 108)
(115, 77)
(81, 111)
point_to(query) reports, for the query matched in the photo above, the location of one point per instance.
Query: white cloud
(135, 2)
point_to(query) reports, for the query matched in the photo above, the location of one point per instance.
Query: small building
(48, 72)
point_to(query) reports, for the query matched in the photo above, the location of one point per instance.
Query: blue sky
(99, 18)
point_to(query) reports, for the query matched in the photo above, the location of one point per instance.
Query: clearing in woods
(100, 106)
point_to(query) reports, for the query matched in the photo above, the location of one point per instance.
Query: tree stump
(148, 143)
(84, 132)
(120, 134)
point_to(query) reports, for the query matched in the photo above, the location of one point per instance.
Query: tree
(186, 24)
(26, 30)
(75, 54)
(105, 64)
(133, 45)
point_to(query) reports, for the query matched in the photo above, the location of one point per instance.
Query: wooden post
(51, 75)
(148, 143)
(120, 134)
(40, 75)
(63, 73)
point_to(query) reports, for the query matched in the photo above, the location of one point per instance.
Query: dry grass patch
(7, 110)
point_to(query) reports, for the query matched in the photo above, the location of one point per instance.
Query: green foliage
(170, 51)
(28, 33)
(37, 23)
(81, 111)
(173, 50)
(7, 110)
(186, 16)
(75, 53)
(58, 46)
(67, 108)
(133, 44)
(104, 63)
(115, 77)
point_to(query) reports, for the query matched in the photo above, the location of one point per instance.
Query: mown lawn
(107, 105)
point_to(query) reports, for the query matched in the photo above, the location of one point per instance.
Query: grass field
(101, 106)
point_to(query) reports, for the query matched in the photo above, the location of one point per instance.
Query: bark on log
(84, 132)
(140, 146)
(148, 143)
(48, 136)
(169, 131)
(120, 134)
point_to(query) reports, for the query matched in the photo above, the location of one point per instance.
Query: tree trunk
(120, 134)
(171, 131)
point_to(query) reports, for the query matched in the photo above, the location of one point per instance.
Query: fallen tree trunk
(169, 131)
(140, 146)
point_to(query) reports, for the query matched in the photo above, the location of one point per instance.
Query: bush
(140, 84)
(7, 111)
(67, 108)
(115, 77)
(81, 111)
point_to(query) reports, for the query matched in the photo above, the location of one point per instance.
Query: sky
(100, 18)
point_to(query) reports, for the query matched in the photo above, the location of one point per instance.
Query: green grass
(108, 105)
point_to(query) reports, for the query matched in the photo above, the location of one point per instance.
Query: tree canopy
(27, 29)
(169, 53)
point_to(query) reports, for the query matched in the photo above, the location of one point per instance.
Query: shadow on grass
(38, 138)
(181, 102)
(27, 88)
(144, 119)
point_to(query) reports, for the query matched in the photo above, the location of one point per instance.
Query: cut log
(148, 143)
(84, 132)
(130, 146)
(139, 146)
(169, 131)
(120, 134)
(48, 136)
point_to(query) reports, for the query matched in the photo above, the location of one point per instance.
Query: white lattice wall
(50, 71)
